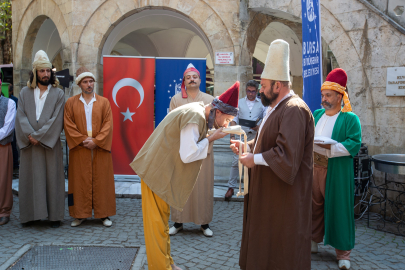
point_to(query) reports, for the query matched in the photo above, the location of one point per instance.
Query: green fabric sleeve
(352, 143)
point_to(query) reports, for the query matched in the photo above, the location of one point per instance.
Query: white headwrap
(41, 61)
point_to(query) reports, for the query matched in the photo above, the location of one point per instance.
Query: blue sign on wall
(169, 76)
(311, 53)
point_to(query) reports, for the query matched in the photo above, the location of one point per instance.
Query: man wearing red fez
(337, 141)
(169, 164)
(199, 208)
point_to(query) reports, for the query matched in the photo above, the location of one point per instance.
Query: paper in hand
(324, 140)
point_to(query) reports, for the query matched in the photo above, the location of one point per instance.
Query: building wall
(363, 42)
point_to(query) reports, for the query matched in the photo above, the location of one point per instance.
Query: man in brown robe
(38, 126)
(199, 208)
(89, 129)
(277, 210)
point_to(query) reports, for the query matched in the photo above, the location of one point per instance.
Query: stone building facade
(362, 35)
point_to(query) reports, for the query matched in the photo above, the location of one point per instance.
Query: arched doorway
(278, 30)
(48, 40)
(159, 33)
(46, 30)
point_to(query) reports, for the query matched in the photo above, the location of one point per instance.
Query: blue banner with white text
(169, 76)
(311, 53)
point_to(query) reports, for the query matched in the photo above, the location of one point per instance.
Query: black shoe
(177, 225)
(55, 224)
(27, 224)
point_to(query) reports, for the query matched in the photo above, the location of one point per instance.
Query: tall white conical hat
(277, 66)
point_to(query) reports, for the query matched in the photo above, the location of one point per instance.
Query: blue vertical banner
(169, 77)
(311, 53)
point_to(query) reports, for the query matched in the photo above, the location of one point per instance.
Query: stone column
(21, 77)
(226, 75)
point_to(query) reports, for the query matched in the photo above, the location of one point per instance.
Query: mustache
(326, 103)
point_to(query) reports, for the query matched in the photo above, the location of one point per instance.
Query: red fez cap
(231, 96)
(337, 75)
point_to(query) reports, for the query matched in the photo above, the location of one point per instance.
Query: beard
(326, 105)
(88, 90)
(44, 81)
(268, 101)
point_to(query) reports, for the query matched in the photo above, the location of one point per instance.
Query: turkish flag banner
(129, 86)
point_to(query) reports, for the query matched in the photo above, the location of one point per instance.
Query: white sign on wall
(395, 81)
(224, 58)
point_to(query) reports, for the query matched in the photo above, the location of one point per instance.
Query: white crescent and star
(128, 115)
(132, 83)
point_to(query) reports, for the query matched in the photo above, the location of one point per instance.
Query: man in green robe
(337, 140)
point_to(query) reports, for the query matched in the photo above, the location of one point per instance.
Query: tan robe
(91, 175)
(42, 180)
(277, 211)
(200, 205)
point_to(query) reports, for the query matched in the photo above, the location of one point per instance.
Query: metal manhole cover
(76, 257)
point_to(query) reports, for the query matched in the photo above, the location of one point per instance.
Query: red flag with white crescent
(129, 86)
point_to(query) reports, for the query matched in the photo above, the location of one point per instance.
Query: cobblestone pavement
(190, 249)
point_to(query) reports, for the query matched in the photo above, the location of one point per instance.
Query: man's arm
(192, 150)
(9, 120)
(73, 136)
(352, 143)
(23, 127)
(104, 137)
(334, 150)
(285, 158)
(49, 133)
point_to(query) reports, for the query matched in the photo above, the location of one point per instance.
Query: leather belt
(7, 144)
(320, 160)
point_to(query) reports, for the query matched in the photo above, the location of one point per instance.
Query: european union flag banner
(311, 53)
(169, 76)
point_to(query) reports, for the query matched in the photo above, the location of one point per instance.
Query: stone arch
(364, 44)
(112, 12)
(27, 32)
(269, 28)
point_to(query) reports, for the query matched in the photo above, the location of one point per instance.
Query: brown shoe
(229, 193)
(4, 220)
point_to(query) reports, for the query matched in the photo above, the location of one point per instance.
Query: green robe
(339, 190)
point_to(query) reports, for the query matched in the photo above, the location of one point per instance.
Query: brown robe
(6, 180)
(91, 175)
(199, 208)
(277, 211)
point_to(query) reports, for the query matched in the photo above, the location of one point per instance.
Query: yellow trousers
(156, 213)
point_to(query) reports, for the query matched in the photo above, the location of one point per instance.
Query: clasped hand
(218, 134)
(33, 141)
(235, 146)
(247, 159)
(89, 144)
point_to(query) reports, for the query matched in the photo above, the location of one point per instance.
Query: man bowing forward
(89, 130)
